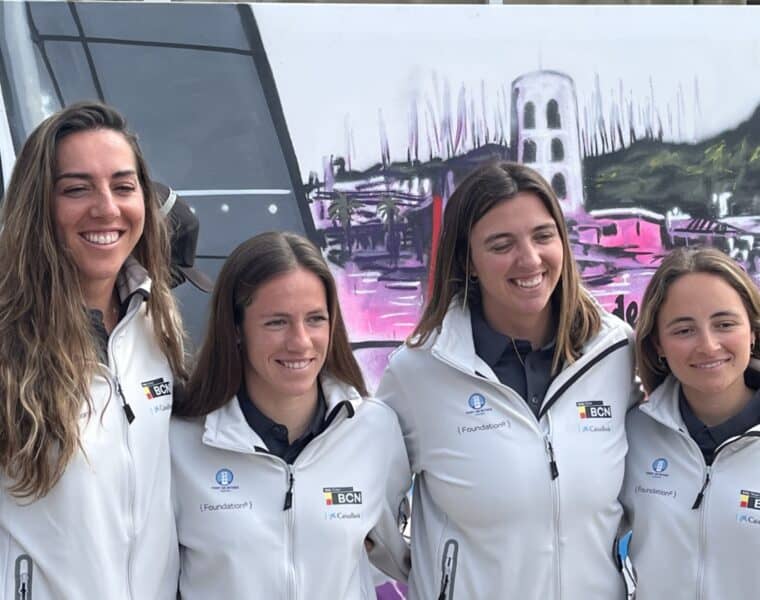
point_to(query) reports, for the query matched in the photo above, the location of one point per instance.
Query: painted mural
(649, 134)
(353, 125)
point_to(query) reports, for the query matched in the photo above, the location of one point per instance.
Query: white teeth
(529, 283)
(710, 365)
(295, 364)
(101, 238)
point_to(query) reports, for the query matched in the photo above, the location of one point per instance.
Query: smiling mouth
(528, 283)
(101, 238)
(295, 365)
(713, 364)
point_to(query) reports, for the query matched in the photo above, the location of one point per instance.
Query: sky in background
(337, 66)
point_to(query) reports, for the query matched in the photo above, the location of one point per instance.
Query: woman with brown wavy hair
(283, 466)
(90, 346)
(512, 393)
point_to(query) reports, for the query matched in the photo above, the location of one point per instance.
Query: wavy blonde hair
(578, 315)
(47, 351)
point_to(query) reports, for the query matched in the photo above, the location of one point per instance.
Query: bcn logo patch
(595, 409)
(155, 388)
(341, 495)
(749, 499)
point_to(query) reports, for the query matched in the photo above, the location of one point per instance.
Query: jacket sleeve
(393, 391)
(390, 549)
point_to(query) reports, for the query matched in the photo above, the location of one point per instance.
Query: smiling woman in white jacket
(692, 484)
(89, 348)
(512, 394)
(283, 470)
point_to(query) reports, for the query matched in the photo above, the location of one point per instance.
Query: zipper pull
(124, 404)
(444, 585)
(24, 576)
(289, 494)
(552, 463)
(701, 493)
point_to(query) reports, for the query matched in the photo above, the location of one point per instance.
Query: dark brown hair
(484, 188)
(218, 371)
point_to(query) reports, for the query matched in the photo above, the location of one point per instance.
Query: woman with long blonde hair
(90, 347)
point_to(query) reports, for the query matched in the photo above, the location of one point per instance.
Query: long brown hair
(675, 265)
(218, 372)
(484, 188)
(47, 353)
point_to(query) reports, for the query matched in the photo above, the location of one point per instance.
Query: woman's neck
(538, 329)
(103, 296)
(714, 409)
(294, 412)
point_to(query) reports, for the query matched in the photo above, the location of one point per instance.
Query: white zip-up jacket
(251, 526)
(696, 528)
(507, 506)
(105, 530)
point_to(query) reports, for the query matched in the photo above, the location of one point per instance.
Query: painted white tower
(545, 132)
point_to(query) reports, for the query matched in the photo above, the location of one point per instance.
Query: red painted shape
(437, 218)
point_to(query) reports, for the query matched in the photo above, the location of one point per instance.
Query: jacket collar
(132, 279)
(454, 342)
(226, 427)
(662, 403)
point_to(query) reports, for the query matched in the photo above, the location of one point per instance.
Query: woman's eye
(275, 323)
(501, 248)
(317, 319)
(76, 190)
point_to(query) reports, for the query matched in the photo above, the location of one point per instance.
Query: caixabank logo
(156, 388)
(335, 496)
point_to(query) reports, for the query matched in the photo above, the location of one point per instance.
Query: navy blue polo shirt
(275, 435)
(709, 438)
(529, 374)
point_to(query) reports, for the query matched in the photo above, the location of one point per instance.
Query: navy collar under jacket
(226, 427)
(663, 403)
(709, 438)
(275, 435)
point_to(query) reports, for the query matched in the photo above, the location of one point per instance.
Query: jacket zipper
(130, 487)
(448, 569)
(129, 458)
(554, 489)
(24, 570)
(290, 521)
(701, 504)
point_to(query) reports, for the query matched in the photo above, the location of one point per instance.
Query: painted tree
(341, 211)
(388, 210)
